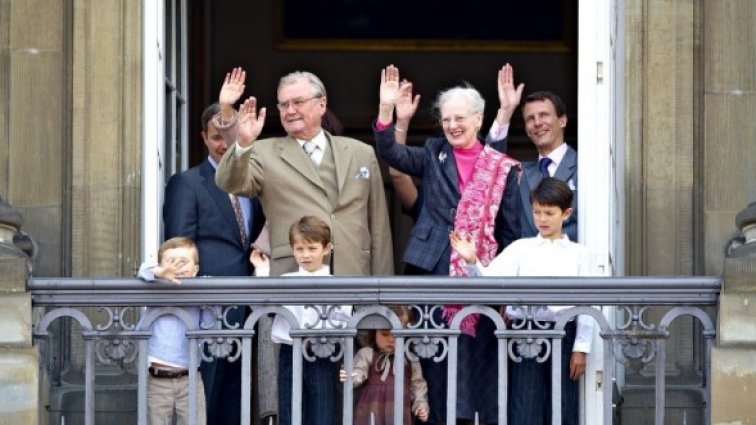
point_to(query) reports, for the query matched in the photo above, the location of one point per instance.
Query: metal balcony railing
(626, 333)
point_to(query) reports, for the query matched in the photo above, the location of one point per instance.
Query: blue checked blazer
(428, 246)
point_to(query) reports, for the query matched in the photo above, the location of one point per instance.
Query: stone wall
(19, 363)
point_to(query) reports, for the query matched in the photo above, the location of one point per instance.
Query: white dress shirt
(498, 132)
(321, 142)
(306, 316)
(556, 156)
(542, 257)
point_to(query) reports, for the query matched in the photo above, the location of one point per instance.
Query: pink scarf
(476, 216)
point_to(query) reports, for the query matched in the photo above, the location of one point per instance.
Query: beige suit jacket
(279, 174)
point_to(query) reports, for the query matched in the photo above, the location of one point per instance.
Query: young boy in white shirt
(310, 239)
(550, 253)
(168, 346)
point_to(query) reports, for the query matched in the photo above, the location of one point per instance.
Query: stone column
(19, 378)
(733, 371)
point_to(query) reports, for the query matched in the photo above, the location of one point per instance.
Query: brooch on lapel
(571, 184)
(442, 157)
(363, 173)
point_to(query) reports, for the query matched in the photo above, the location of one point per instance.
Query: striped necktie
(239, 219)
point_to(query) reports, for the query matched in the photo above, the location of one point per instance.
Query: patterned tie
(310, 148)
(543, 165)
(239, 219)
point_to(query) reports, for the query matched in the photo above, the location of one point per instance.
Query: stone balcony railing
(103, 309)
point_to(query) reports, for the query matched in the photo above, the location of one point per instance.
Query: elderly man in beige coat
(308, 172)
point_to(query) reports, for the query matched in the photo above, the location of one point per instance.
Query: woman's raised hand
(406, 105)
(389, 85)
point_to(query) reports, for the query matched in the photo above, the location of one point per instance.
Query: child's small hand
(343, 375)
(169, 270)
(464, 246)
(422, 414)
(258, 259)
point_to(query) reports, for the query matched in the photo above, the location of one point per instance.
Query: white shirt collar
(323, 271)
(556, 155)
(212, 162)
(561, 241)
(320, 141)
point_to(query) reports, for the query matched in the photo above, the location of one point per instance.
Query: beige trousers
(165, 394)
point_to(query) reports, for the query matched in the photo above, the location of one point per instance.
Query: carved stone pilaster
(18, 359)
(732, 370)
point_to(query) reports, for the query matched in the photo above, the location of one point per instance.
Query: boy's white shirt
(525, 257)
(306, 316)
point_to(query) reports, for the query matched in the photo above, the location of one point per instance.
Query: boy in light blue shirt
(168, 346)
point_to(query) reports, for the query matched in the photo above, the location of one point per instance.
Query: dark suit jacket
(531, 176)
(195, 207)
(428, 246)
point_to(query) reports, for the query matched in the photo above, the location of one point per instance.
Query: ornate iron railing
(626, 333)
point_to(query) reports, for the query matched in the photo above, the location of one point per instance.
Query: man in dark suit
(545, 118)
(222, 228)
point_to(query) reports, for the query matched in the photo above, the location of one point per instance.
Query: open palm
(250, 122)
(406, 105)
(509, 97)
(233, 87)
(389, 85)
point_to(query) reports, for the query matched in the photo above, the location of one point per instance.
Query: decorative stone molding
(744, 244)
(12, 243)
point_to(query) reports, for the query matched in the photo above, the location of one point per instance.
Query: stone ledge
(737, 319)
(733, 377)
(13, 275)
(15, 319)
(19, 382)
(740, 275)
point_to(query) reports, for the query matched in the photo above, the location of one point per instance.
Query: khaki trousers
(165, 394)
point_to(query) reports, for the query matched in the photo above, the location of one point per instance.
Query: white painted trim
(153, 98)
(596, 171)
(184, 70)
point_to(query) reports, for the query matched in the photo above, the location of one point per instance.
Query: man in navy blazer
(196, 208)
(545, 118)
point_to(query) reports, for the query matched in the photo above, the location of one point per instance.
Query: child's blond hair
(178, 242)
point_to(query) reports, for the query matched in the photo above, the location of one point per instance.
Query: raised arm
(240, 172)
(509, 98)
(245, 127)
(230, 93)
(251, 122)
(406, 106)
(389, 94)
(405, 159)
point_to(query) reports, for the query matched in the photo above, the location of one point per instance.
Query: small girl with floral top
(373, 370)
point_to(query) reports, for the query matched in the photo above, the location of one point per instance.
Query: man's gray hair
(318, 89)
(467, 92)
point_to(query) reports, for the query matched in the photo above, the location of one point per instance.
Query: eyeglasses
(296, 103)
(445, 122)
